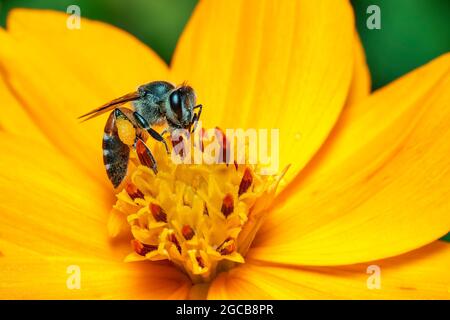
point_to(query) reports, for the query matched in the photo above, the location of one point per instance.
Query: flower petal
(37, 277)
(266, 64)
(47, 204)
(60, 74)
(361, 82)
(379, 187)
(14, 118)
(421, 274)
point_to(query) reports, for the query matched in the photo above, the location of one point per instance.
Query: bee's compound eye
(175, 104)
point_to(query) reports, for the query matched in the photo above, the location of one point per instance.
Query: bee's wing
(110, 105)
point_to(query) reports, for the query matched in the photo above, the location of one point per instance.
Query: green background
(412, 31)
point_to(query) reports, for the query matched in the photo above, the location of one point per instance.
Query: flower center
(201, 217)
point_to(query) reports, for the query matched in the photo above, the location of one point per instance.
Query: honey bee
(157, 102)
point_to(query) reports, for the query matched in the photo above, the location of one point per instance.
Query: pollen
(200, 217)
(126, 131)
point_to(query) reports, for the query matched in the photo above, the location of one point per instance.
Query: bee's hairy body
(151, 104)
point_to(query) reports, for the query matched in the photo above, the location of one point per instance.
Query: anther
(141, 248)
(172, 238)
(200, 261)
(158, 213)
(133, 191)
(188, 232)
(227, 205)
(246, 182)
(228, 247)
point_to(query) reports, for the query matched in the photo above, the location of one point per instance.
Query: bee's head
(180, 107)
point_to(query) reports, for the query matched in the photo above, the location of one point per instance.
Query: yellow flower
(368, 184)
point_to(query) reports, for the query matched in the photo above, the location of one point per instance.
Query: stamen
(172, 238)
(227, 247)
(158, 213)
(202, 138)
(188, 232)
(134, 192)
(200, 261)
(224, 145)
(246, 182)
(227, 205)
(180, 149)
(184, 212)
(141, 248)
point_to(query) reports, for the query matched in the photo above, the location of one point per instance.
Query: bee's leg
(194, 123)
(199, 111)
(115, 153)
(196, 117)
(165, 131)
(145, 155)
(142, 123)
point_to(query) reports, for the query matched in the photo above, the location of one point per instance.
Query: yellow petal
(60, 73)
(380, 186)
(266, 64)
(47, 204)
(14, 118)
(421, 274)
(37, 277)
(361, 82)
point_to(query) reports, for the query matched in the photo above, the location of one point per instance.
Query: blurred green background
(412, 31)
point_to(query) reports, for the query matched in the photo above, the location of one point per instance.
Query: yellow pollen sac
(201, 217)
(126, 131)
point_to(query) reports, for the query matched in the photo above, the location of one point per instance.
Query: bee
(154, 103)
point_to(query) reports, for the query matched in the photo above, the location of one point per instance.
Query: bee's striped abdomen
(115, 153)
